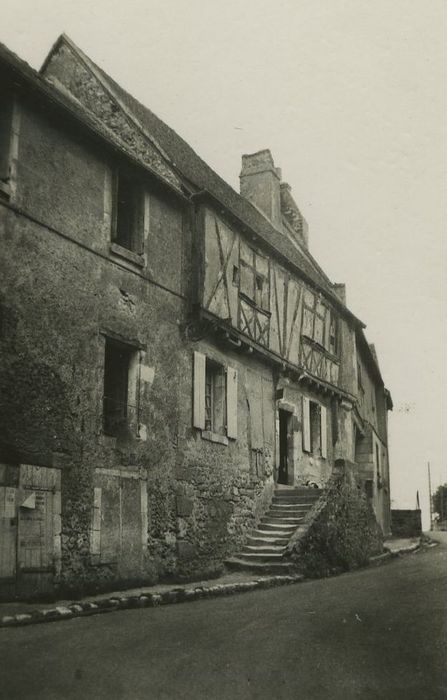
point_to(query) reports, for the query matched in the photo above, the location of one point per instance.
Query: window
(5, 141)
(215, 398)
(360, 379)
(333, 335)
(254, 277)
(319, 322)
(314, 428)
(128, 214)
(117, 360)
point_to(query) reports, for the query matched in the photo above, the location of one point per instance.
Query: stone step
(278, 527)
(279, 567)
(259, 539)
(295, 500)
(277, 534)
(264, 549)
(294, 492)
(283, 520)
(290, 512)
(285, 506)
(261, 556)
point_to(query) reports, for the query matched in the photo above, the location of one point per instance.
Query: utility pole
(429, 497)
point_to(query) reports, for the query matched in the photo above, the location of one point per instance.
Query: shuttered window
(215, 397)
(315, 428)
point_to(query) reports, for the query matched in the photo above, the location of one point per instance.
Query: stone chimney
(296, 221)
(340, 290)
(260, 184)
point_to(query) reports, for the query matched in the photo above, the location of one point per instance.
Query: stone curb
(146, 599)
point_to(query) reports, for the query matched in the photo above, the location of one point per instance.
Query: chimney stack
(260, 184)
(340, 290)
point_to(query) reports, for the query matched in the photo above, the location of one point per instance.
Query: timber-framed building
(172, 354)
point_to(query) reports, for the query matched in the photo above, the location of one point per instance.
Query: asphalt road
(373, 634)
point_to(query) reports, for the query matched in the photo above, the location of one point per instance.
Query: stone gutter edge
(145, 599)
(148, 599)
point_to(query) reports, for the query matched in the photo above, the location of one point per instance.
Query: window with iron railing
(116, 409)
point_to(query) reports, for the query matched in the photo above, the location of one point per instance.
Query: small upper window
(128, 214)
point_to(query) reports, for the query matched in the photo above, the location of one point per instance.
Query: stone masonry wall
(61, 292)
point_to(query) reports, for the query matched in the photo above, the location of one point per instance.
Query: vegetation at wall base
(344, 535)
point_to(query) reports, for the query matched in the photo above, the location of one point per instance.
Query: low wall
(406, 523)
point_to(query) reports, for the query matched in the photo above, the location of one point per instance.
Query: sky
(350, 97)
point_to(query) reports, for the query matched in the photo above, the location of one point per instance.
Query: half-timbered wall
(268, 304)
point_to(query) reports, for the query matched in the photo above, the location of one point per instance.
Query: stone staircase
(266, 545)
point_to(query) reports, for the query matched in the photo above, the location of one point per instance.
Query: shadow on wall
(35, 415)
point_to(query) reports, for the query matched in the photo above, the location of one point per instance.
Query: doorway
(284, 430)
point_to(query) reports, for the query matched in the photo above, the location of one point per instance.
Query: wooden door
(38, 512)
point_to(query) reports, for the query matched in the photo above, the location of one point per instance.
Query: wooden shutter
(232, 403)
(323, 431)
(199, 391)
(306, 424)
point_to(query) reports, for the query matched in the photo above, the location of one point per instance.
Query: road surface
(378, 634)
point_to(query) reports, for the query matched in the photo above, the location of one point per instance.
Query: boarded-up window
(119, 521)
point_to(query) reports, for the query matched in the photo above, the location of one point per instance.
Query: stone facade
(169, 379)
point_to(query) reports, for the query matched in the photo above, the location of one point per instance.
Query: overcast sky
(350, 96)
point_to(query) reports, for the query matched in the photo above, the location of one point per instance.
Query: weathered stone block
(184, 506)
(186, 550)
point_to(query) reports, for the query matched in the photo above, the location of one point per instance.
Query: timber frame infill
(204, 324)
(204, 196)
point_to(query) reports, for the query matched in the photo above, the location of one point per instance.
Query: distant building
(170, 350)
